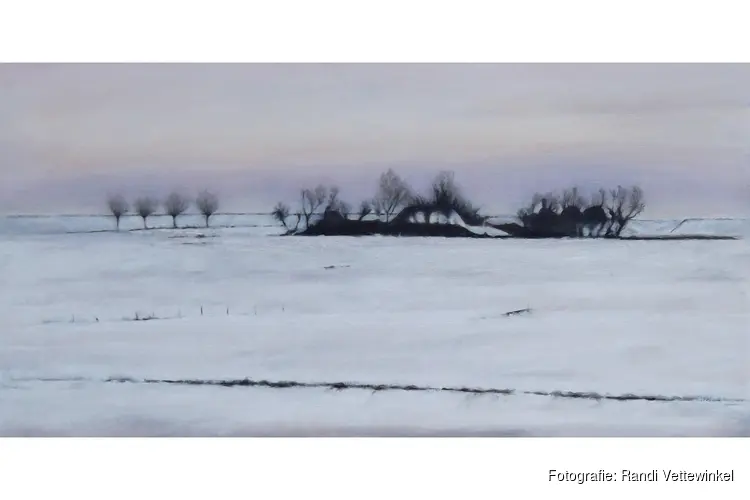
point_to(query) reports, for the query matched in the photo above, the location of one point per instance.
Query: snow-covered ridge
(456, 220)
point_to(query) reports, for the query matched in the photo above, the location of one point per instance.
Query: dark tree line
(568, 214)
(175, 205)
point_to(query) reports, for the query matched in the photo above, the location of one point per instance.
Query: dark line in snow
(340, 386)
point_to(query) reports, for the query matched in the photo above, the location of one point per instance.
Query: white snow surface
(668, 318)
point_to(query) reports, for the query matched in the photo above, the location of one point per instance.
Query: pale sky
(257, 133)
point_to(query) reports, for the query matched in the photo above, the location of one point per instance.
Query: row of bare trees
(392, 193)
(393, 199)
(175, 204)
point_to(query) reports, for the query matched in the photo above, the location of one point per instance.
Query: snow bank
(456, 220)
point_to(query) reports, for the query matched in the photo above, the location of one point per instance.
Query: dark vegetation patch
(334, 226)
(394, 211)
(518, 311)
(144, 317)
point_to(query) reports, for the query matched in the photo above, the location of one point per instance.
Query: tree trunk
(144, 223)
(117, 222)
(207, 216)
(620, 227)
(174, 222)
(615, 229)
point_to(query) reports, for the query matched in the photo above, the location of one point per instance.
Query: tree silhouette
(118, 206)
(175, 205)
(207, 203)
(145, 206)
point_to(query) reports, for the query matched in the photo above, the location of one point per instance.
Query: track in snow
(341, 386)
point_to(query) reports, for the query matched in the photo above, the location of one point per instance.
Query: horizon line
(50, 216)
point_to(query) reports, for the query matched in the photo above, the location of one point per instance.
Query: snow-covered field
(647, 318)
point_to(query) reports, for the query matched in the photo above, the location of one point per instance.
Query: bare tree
(552, 202)
(336, 204)
(444, 189)
(281, 214)
(536, 201)
(344, 208)
(530, 209)
(298, 215)
(175, 205)
(365, 209)
(312, 201)
(207, 203)
(528, 214)
(525, 216)
(625, 205)
(571, 198)
(447, 197)
(393, 193)
(599, 199)
(118, 206)
(333, 199)
(145, 206)
(571, 215)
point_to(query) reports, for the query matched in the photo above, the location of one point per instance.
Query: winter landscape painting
(374, 250)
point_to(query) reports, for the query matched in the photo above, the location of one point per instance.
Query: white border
(349, 30)
(360, 469)
(374, 30)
